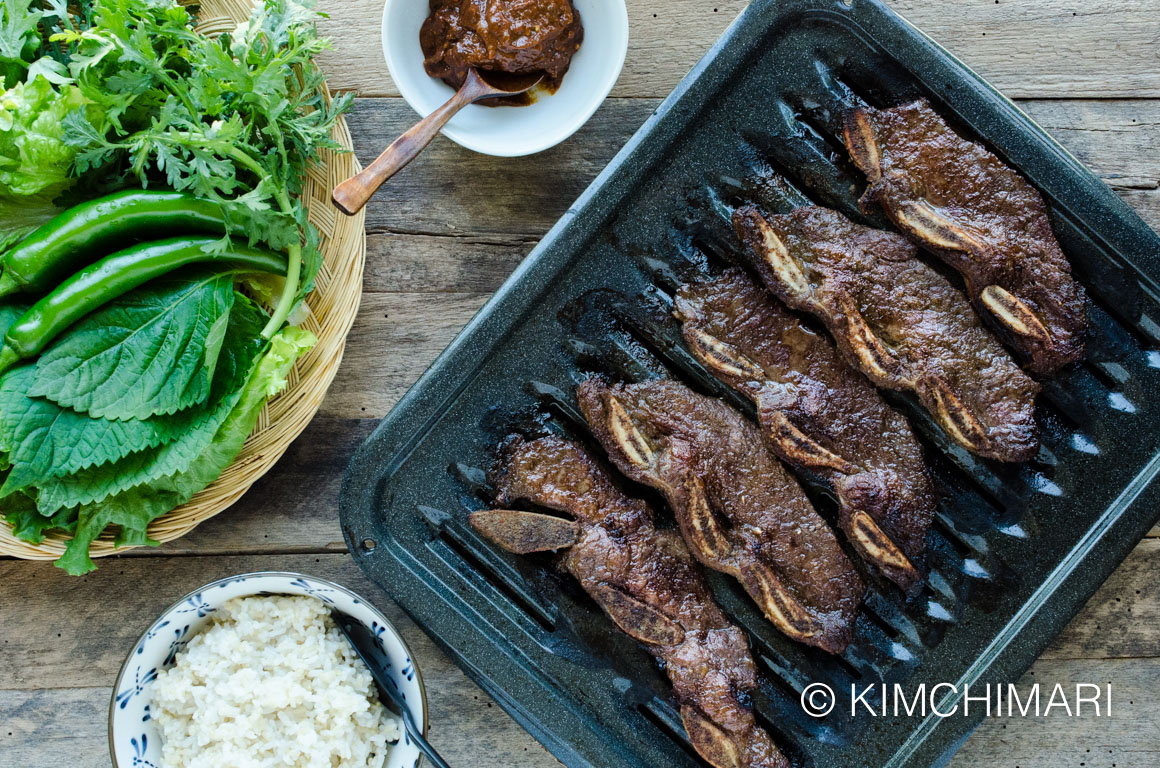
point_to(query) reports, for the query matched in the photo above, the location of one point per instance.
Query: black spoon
(362, 641)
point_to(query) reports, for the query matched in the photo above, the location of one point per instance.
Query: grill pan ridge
(1015, 550)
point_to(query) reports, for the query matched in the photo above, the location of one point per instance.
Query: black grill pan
(1015, 550)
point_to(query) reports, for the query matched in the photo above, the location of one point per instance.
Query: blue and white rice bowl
(134, 738)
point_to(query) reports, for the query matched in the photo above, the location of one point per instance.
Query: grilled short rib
(962, 203)
(645, 580)
(739, 511)
(819, 414)
(898, 321)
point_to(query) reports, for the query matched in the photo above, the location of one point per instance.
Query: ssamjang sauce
(514, 36)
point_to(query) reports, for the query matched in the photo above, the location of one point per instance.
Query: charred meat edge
(645, 580)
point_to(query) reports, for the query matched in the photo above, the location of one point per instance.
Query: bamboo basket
(333, 305)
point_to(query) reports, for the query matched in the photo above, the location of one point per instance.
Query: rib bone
(627, 436)
(877, 545)
(935, 229)
(721, 357)
(863, 148)
(706, 534)
(870, 350)
(956, 419)
(1014, 314)
(779, 605)
(785, 266)
(525, 532)
(639, 620)
(711, 743)
(796, 446)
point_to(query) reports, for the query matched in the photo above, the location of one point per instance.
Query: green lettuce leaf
(46, 441)
(34, 158)
(153, 351)
(134, 508)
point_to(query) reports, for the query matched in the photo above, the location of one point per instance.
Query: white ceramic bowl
(513, 131)
(134, 741)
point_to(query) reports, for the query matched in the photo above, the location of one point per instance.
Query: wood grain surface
(443, 235)
(1028, 48)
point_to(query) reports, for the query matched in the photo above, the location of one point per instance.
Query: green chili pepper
(97, 227)
(101, 282)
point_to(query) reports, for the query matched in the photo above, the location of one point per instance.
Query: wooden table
(442, 236)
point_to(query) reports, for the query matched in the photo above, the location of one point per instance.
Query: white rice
(271, 682)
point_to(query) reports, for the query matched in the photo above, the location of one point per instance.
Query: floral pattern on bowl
(134, 741)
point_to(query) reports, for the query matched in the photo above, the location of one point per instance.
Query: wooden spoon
(351, 195)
